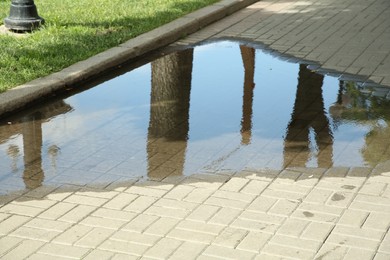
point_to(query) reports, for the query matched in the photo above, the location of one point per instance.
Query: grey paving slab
(350, 37)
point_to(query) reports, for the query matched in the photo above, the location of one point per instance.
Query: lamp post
(23, 16)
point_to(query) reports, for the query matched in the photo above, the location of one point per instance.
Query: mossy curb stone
(23, 95)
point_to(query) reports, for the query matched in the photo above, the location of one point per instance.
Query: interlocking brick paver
(73, 234)
(163, 248)
(254, 241)
(63, 250)
(23, 250)
(120, 201)
(203, 213)
(225, 216)
(77, 213)
(7, 243)
(317, 231)
(57, 210)
(93, 221)
(125, 247)
(188, 250)
(100, 254)
(227, 253)
(12, 223)
(161, 227)
(95, 237)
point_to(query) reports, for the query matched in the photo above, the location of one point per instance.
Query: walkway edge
(23, 95)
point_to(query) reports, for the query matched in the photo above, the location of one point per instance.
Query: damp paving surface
(217, 108)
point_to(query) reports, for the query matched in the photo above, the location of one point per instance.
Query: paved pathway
(298, 213)
(350, 37)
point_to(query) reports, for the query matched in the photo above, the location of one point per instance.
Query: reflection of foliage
(358, 103)
(369, 106)
(377, 148)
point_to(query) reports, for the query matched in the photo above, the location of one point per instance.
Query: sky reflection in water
(220, 107)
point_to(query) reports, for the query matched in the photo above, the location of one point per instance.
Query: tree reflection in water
(169, 114)
(308, 113)
(369, 106)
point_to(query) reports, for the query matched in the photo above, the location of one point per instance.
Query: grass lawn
(78, 29)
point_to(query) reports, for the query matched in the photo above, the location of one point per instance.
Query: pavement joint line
(24, 95)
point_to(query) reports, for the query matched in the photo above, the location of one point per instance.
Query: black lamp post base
(23, 25)
(23, 16)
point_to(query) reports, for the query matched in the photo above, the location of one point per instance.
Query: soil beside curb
(23, 95)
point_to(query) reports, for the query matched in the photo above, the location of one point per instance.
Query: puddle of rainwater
(220, 107)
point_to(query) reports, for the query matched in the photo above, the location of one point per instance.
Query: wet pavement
(253, 156)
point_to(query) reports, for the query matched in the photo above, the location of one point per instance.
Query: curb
(28, 93)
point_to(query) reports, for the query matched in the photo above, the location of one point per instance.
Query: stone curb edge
(23, 95)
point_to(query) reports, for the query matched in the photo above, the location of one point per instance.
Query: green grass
(78, 29)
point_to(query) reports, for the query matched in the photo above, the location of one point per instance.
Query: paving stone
(317, 231)
(57, 210)
(63, 250)
(103, 222)
(285, 251)
(12, 223)
(354, 218)
(125, 247)
(199, 227)
(35, 234)
(332, 251)
(51, 225)
(77, 213)
(21, 210)
(255, 187)
(225, 216)
(140, 223)
(187, 250)
(254, 241)
(120, 201)
(359, 254)
(23, 250)
(203, 213)
(230, 237)
(234, 184)
(140, 204)
(179, 192)
(7, 243)
(99, 254)
(162, 249)
(161, 227)
(114, 214)
(293, 227)
(199, 195)
(85, 200)
(72, 235)
(227, 253)
(283, 207)
(352, 241)
(135, 237)
(94, 238)
(379, 221)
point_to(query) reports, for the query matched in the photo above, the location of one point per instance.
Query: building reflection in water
(169, 114)
(308, 113)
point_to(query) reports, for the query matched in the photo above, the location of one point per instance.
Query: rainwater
(218, 108)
